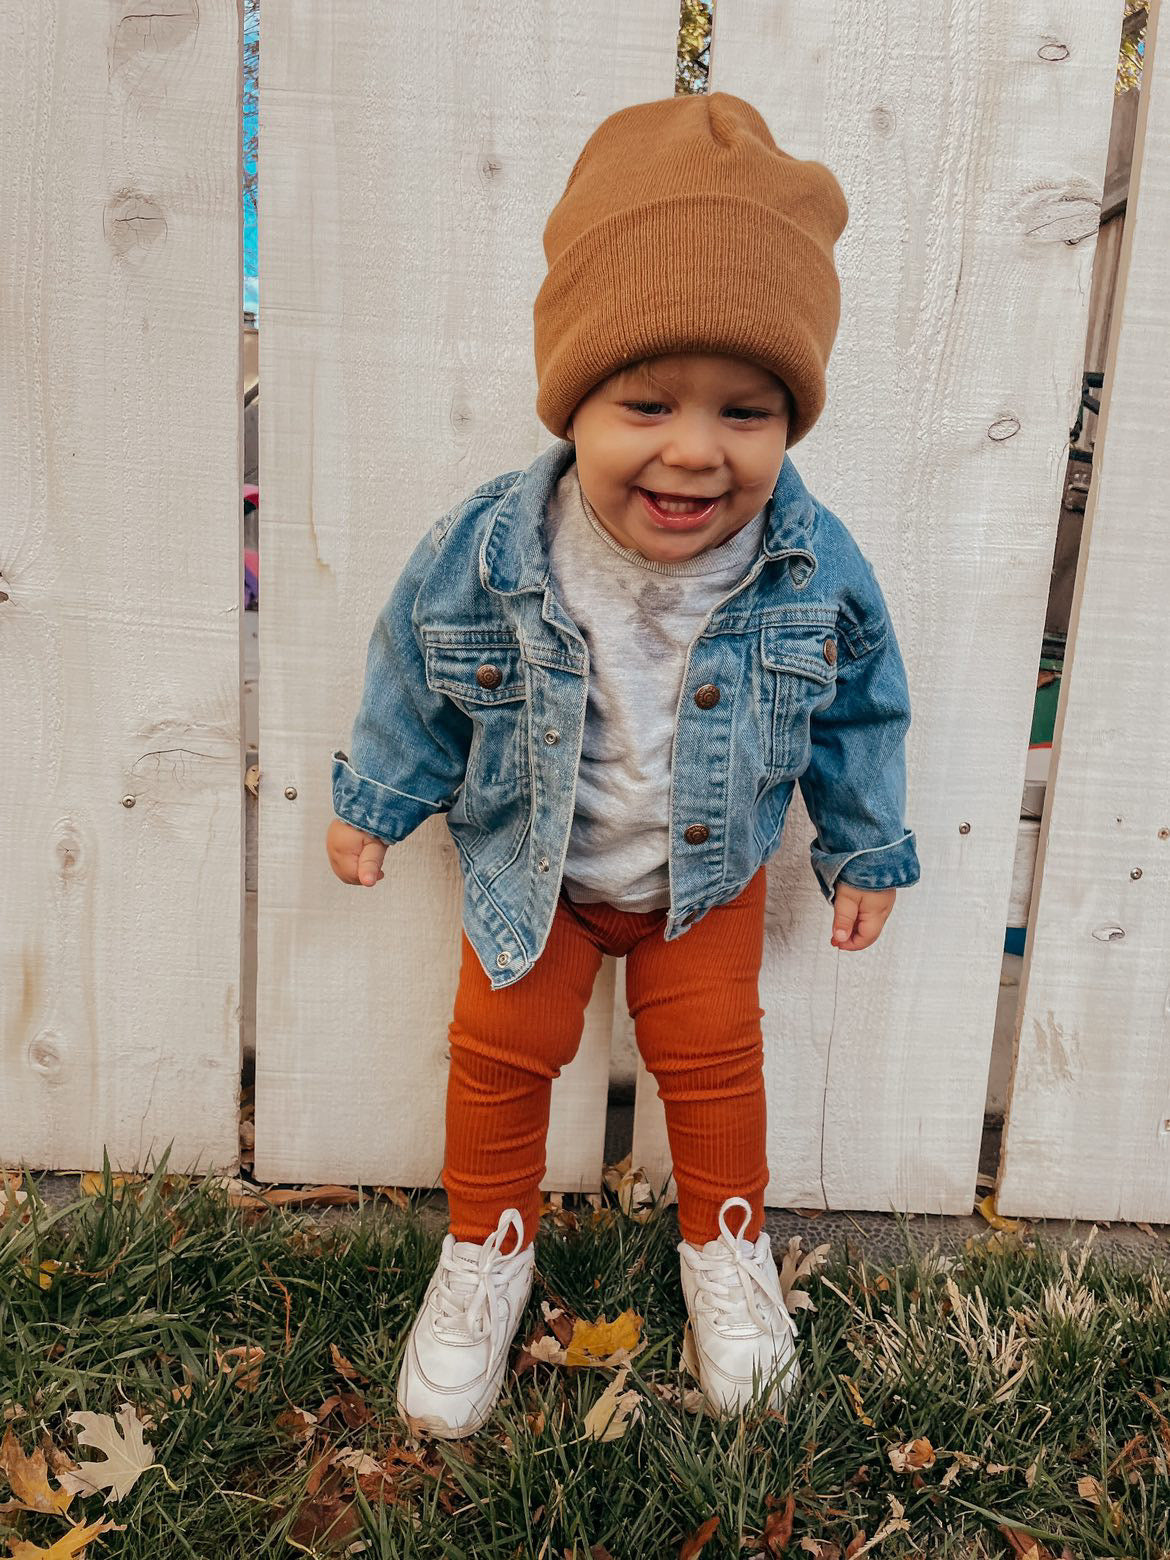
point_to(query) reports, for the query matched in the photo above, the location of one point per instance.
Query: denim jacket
(474, 706)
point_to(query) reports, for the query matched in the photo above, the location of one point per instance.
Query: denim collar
(514, 556)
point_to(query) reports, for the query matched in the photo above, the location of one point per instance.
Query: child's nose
(695, 447)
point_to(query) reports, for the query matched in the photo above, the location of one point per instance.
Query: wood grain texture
(120, 595)
(1088, 1132)
(972, 154)
(410, 158)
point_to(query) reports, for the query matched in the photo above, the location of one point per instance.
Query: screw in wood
(291, 792)
(964, 828)
(1136, 873)
(128, 801)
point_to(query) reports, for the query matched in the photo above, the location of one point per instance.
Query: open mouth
(677, 512)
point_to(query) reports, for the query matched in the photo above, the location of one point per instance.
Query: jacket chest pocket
(486, 680)
(800, 678)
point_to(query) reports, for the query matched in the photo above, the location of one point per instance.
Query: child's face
(690, 425)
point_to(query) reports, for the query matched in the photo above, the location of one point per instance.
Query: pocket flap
(485, 672)
(808, 649)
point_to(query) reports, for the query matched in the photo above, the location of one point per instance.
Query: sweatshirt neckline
(738, 549)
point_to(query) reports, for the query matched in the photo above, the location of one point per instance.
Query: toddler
(609, 671)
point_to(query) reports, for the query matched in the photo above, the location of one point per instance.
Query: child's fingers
(868, 913)
(369, 862)
(844, 918)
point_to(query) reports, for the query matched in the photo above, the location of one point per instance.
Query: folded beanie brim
(689, 272)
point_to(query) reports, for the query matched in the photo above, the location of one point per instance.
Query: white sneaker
(453, 1364)
(741, 1326)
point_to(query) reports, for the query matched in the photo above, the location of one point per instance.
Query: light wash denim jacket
(474, 706)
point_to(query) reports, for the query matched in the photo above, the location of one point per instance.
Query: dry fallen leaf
(29, 1479)
(127, 1455)
(342, 1366)
(896, 1522)
(542, 1348)
(694, 1544)
(795, 1266)
(777, 1534)
(67, 1546)
(242, 1364)
(615, 1410)
(634, 1193)
(1024, 1545)
(605, 1343)
(988, 1209)
(1090, 1489)
(854, 1392)
(911, 1455)
(45, 1273)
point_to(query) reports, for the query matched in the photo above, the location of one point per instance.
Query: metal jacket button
(706, 696)
(503, 959)
(552, 738)
(488, 676)
(696, 833)
(831, 651)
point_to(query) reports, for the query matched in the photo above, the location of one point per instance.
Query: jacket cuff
(375, 808)
(881, 866)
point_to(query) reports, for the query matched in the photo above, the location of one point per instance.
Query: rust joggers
(696, 1011)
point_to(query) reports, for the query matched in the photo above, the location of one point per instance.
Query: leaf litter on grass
(982, 1391)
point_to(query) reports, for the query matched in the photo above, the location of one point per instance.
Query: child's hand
(859, 915)
(355, 857)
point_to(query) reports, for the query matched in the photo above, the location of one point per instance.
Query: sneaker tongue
(462, 1278)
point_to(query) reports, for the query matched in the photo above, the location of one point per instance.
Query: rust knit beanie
(684, 228)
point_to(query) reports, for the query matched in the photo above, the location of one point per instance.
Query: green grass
(1043, 1370)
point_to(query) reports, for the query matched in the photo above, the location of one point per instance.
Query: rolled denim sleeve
(409, 746)
(855, 783)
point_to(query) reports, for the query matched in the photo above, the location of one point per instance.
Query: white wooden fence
(410, 155)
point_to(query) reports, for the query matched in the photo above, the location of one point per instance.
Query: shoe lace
(731, 1279)
(467, 1286)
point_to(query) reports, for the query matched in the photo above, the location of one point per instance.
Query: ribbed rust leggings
(696, 1011)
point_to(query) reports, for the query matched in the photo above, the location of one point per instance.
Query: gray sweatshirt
(638, 618)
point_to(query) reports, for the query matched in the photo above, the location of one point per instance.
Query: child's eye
(650, 407)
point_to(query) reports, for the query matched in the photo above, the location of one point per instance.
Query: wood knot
(1067, 213)
(133, 223)
(152, 27)
(69, 851)
(884, 122)
(44, 1053)
(1052, 50)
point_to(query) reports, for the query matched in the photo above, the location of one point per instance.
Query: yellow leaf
(996, 1220)
(855, 1398)
(597, 1343)
(44, 1274)
(91, 1182)
(29, 1478)
(67, 1546)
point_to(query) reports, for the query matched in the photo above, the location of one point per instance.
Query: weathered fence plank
(121, 800)
(410, 156)
(1088, 1133)
(972, 152)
